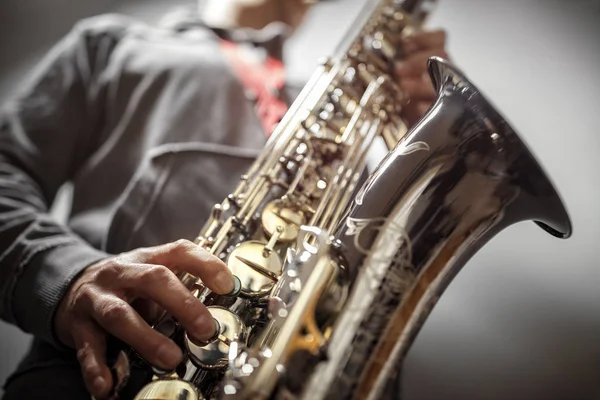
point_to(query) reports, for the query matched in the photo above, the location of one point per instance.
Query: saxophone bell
(460, 177)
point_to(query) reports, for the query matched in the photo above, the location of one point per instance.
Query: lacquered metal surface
(257, 270)
(169, 389)
(461, 176)
(256, 371)
(278, 214)
(214, 355)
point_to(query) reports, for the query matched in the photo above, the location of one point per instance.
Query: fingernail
(224, 282)
(204, 328)
(98, 385)
(168, 355)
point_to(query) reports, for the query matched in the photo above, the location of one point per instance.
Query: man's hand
(98, 304)
(412, 72)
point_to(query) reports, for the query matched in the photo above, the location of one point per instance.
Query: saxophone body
(335, 277)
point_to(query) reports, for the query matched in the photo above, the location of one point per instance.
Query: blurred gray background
(522, 320)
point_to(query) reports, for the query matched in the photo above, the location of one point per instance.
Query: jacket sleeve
(47, 131)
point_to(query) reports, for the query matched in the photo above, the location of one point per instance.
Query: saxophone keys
(279, 214)
(214, 355)
(169, 389)
(256, 270)
(237, 288)
(273, 241)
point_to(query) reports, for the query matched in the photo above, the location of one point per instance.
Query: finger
(160, 284)
(185, 256)
(424, 40)
(119, 319)
(418, 89)
(416, 65)
(90, 343)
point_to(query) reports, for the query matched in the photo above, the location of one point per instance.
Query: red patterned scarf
(264, 80)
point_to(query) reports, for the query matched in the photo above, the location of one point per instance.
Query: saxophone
(335, 274)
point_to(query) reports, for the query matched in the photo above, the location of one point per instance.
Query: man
(151, 126)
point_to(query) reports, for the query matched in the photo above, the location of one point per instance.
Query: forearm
(47, 132)
(38, 256)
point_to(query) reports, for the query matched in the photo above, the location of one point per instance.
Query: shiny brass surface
(213, 355)
(293, 326)
(257, 270)
(278, 213)
(169, 389)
